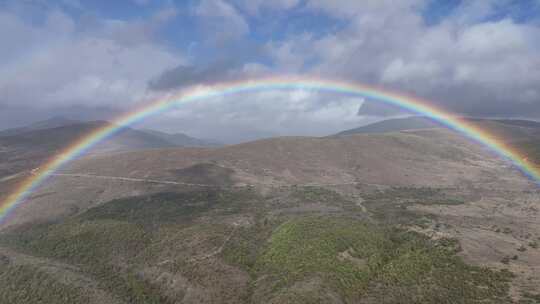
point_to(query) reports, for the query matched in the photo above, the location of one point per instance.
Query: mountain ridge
(422, 122)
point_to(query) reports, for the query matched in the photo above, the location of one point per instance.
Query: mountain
(418, 122)
(182, 140)
(522, 135)
(27, 147)
(516, 122)
(343, 219)
(393, 125)
(53, 122)
(125, 139)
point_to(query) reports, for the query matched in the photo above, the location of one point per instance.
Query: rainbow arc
(196, 94)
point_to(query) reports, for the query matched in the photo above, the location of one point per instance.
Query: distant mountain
(27, 147)
(512, 128)
(126, 139)
(523, 135)
(54, 122)
(513, 122)
(394, 125)
(183, 140)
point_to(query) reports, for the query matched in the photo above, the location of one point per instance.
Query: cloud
(262, 114)
(470, 62)
(221, 21)
(142, 2)
(479, 58)
(222, 70)
(64, 62)
(352, 8)
(254, 7)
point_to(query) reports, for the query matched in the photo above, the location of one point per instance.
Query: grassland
(323, 257)
(366, 263)
(112, 241)
(25, 284)
(391, 205)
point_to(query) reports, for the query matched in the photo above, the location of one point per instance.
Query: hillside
(53, 122)
(507, 128)
(393, 125)
(524, 135)
(421, 215)
(25, 148)
(183, 140)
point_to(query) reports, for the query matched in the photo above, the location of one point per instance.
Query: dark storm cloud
(184, 75)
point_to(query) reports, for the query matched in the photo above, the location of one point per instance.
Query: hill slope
(436, 158)
(393, 125)
(369, 218)
(26, 148)
(53, 122)
(524, 135)
(522, 128)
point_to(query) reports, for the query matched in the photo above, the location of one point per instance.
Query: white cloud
(291, 55)
(142, 2)
(56, 64)
(354, 8)
(221, 20)
(467, 63)
(268, 113)
(254, 7)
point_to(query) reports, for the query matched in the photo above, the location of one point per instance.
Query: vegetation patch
(112, 243)
(97, 247)
(25, 284)
(304, 259)
(170, 207)
(531, 148)
(365, 262)
(530, 298)
(246, 244)
(314, 194)
(418, 195)
(206, 174)
(391, 205)
(317, 194)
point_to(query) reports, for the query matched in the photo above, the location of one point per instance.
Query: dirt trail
(167, 182)
(63, 273)
(131, 179)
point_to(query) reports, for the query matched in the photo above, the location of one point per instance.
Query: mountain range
(420, 122)
(26, 147)
(405, 213)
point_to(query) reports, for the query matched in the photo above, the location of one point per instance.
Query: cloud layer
(490, 67)
(478, 58)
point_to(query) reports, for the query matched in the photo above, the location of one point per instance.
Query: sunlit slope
(522, 135)
(422, 158)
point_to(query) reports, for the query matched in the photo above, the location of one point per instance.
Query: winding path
(167, 182)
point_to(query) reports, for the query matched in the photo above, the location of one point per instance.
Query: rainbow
(412, 104)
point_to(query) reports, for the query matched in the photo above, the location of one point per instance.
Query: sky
(96, 59)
